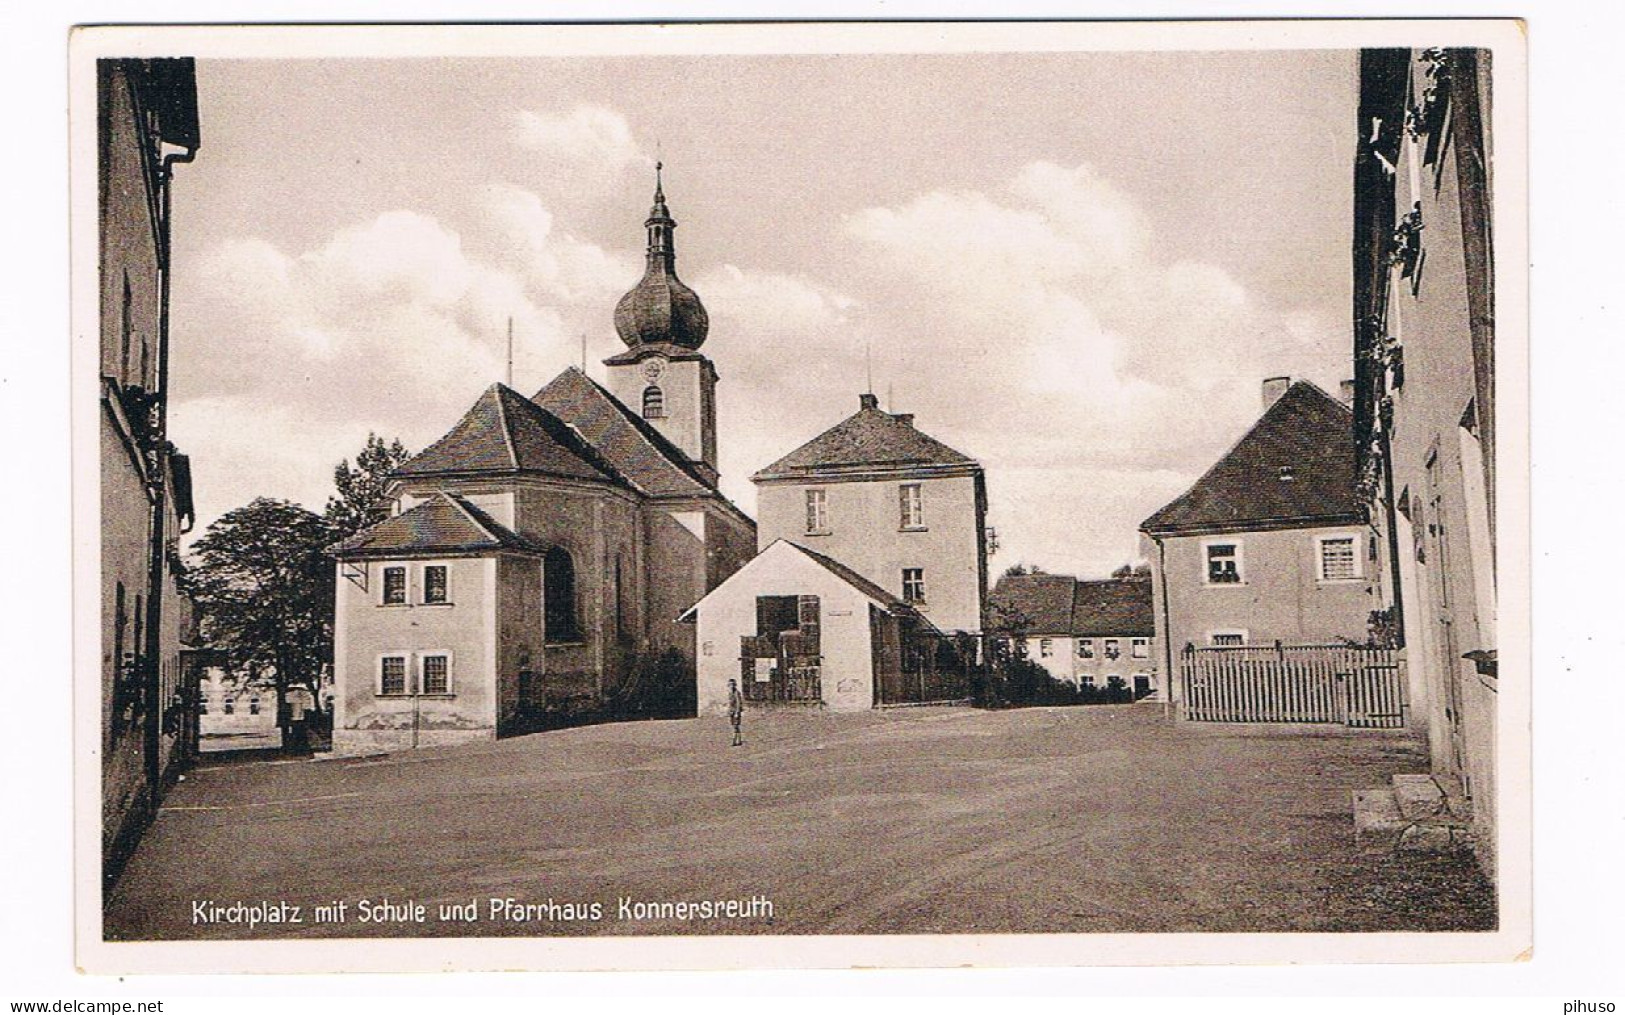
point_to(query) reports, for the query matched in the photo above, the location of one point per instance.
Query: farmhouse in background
(873, 558)
(540, 552)
(1096, 634)
(1424, 322)
(1272, 543)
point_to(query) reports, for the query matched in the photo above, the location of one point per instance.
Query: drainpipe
(158, 462)
(1167, 632)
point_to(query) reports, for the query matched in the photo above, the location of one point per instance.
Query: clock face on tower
(653, 368)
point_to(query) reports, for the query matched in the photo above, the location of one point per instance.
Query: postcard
(734, 495)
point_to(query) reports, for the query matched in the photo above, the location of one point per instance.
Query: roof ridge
(653, 437)
(463, 509)
(1276, 408)
(503, 426)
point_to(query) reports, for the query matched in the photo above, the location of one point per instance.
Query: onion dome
(660, 309)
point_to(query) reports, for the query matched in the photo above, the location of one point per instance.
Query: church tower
(662, 375)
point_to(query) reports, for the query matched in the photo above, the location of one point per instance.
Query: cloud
(589, 138)
(389, 324)
(1094, 378)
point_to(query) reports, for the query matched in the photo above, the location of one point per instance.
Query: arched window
(559, 596)
(654, 403)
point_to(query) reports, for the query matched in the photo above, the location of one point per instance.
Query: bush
(660, 686)
(1015, 682)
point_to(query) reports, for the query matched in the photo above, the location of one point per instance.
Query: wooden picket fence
(1352, 685)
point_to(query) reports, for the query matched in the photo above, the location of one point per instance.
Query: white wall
(729, 613)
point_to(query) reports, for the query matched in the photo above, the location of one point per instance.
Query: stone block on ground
(1378, 822)
(1419, 797)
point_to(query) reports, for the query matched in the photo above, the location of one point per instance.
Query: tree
(360, 500)
(1141, 570)
(1018, 569)
(263, 587)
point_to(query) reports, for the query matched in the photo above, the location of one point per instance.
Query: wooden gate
(1352, 685)
(783, 662)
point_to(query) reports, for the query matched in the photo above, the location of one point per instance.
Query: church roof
(867, 440)
(1294, 467)
(638, 451)
(445, 523)
(505, 432)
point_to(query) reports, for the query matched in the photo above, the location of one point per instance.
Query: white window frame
(1111, 648)
(406, 583)
(1356, 544)
(1139, 648)
(378, 674)
(911, 508)
(451, 668)
(1086, 648)
(1240, 558)
(817, 522)
(919, 599)
(423, 583)
(1046, 648)
(1227, 632)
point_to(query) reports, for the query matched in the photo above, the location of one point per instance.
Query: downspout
(158, 479)
(1391, 517)
(1167, 631)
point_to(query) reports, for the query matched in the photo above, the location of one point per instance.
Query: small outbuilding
(794, 626)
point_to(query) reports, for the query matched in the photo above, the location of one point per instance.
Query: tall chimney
(1274, 388)
(1345, 392)
(867, 400)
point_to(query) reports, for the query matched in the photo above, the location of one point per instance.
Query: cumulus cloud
(591, 139)
(390, 324)
(1094, 378)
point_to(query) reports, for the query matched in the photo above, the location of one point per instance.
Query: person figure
(736, 711)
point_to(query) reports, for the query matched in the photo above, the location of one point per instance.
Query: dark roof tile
(1041, 603)
(444, 523)
(869, 438)
(508, 433)
(639, 451)
(1115, 606)
(1296, 465)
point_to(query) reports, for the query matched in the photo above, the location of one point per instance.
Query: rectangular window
(1086, 648)
(913, 584)
(436, 674)
(1088, 680)
(817, 511)
(1223, 563)
(911, 503)
(394, 586)
(253, 706)
(392, 675)
(1140, 648)
(1114, 648)
(231, 706)
(1230, 638)
(436, 589)
(1338, 559)
(1046, 647)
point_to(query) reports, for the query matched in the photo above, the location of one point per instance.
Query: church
(545, 547)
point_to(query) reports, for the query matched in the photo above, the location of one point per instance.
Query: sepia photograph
(932, 492)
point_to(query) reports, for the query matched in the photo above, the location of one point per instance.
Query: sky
(1076, 268)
